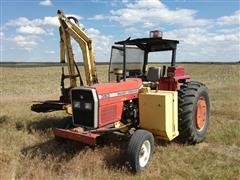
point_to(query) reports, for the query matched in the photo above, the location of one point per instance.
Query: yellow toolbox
(158, 112)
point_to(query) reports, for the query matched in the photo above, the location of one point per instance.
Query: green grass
(28, 149)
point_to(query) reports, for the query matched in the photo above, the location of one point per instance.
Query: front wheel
(140, 149)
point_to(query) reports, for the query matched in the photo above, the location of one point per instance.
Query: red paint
(110, 105)
(167, 84)
(109, 114)
(174, 75)
(129, 84)
(110, 109)
(88, 138)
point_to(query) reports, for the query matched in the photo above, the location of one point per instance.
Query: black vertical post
(124, 62)
(145, 61)
(173, 57)
(110, 64)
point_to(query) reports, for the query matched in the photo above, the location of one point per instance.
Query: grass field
(28, 149)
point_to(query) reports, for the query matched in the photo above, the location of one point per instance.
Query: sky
(208, 30)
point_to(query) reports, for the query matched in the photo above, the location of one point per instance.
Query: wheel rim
(201, 113)
(144, 154)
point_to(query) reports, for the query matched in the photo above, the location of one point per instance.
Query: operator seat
(154, 74)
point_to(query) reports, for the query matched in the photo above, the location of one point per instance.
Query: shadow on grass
(112, 146)
(117, 156)
(44, 124)
(118, 159)
(66, 150)
(57, 149)
(51, 148)
(3, 119)
(112, 149)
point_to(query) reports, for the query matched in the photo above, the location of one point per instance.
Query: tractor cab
(129, 59)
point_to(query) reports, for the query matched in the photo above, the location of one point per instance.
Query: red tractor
(138, 101)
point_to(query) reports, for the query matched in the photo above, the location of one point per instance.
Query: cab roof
(151, 44)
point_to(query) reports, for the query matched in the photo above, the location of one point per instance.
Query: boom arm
(67, 30)
(70, 29)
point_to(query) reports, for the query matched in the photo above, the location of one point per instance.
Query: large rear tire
(140, 149)
(193, 112)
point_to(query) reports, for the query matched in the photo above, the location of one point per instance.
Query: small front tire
(140, 149)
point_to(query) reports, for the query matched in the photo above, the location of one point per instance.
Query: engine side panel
(111, 106)
(111, 97)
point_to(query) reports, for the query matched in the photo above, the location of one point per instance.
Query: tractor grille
(85, 107)
(108, 113)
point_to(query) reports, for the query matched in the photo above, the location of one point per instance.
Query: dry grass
(28, 149)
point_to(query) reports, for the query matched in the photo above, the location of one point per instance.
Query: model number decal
(116, 94)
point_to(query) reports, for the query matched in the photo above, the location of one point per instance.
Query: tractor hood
(118, 87)
(106, 100)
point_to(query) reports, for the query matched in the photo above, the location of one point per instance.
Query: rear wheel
(194, 111)
(140, 149)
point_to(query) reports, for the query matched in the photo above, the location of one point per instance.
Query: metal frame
(87, 137)
(68, 30)
(149, 45)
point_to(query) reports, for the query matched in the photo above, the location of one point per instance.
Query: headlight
(88, 106)
(76, 105)
(82, 106)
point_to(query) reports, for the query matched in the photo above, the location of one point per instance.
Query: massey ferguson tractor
(141, 102)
